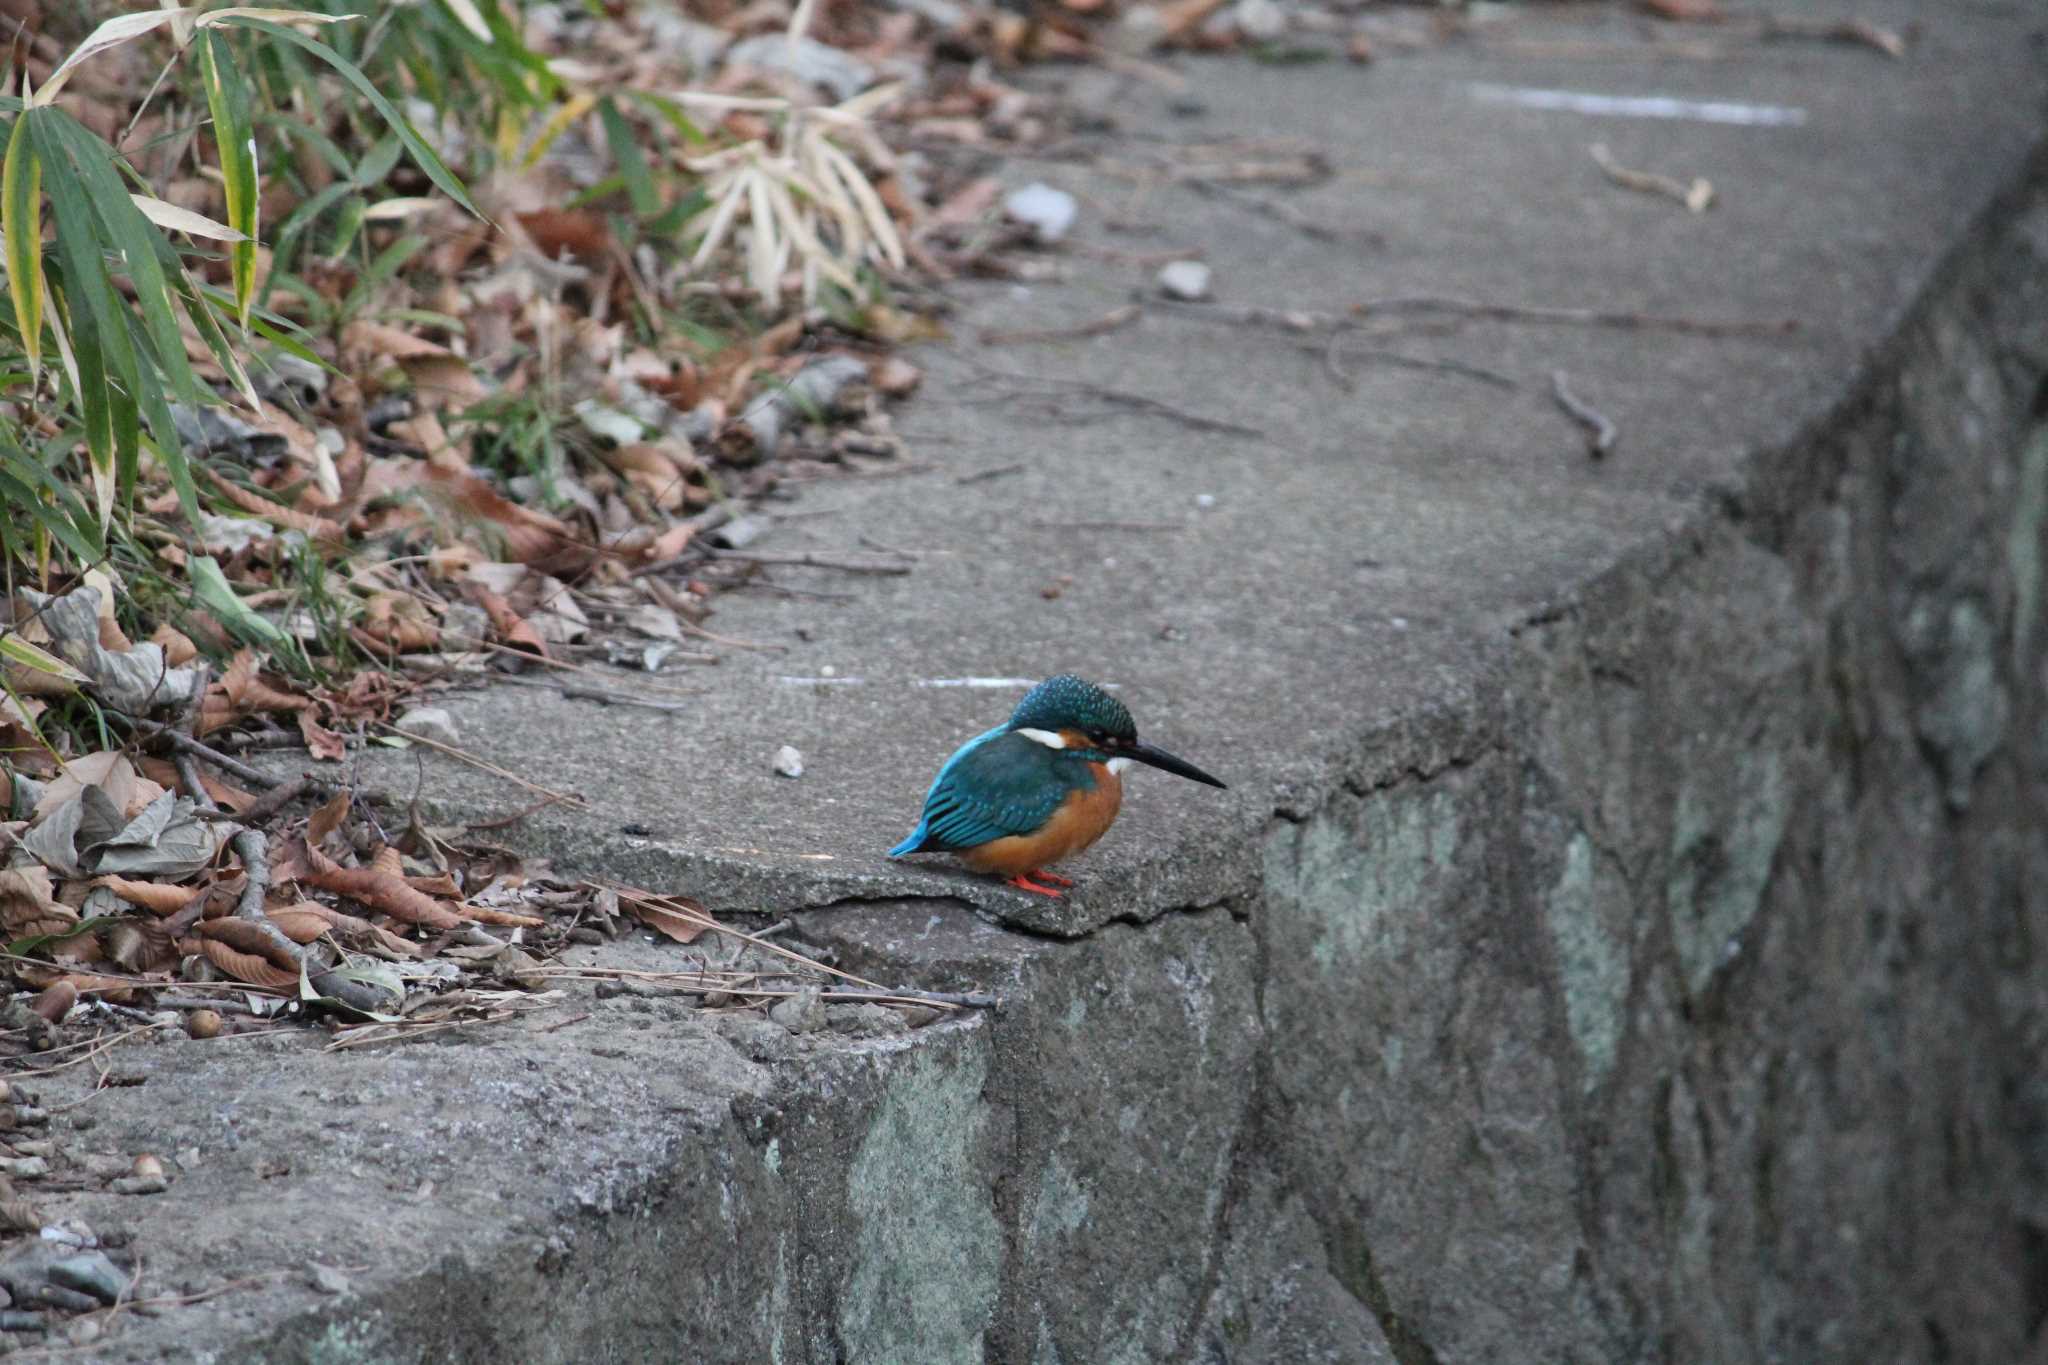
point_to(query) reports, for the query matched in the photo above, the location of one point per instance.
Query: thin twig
(1601, 433)
(1284, 212)
(178, 739)
(983, 475)
(1109, 525)
(101, 1046)
(1580, 317)
(1835, 30)
(463, 756)
(968, 1000)
(569, 666)
(811, 561)
(1334, 355)
(597, 694)
(1696, 195)
(1102, 326)
(675, 907)
(506, 821)
(1102, 393)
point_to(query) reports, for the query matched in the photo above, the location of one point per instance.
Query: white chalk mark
(1642, 106)
(976, 682)
(819, 682)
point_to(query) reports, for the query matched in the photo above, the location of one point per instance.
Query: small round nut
(148, 1167)
(203, 1024)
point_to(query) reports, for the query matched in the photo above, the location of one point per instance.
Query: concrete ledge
(1621, 941)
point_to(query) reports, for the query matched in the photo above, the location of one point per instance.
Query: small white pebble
(828, 671)
(1046, 211)
(1205, 500)
(789, 762)
(1187, 280)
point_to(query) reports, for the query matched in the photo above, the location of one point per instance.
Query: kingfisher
(1040, 787)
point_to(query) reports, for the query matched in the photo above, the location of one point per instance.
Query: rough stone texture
(1621, 941)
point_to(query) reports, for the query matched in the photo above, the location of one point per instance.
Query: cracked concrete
(1620, 941)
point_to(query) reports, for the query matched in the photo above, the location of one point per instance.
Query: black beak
(1159, 758)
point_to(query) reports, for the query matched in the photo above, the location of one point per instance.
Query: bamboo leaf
(227, 97)
(174, 219)
(122, 28)
(211, 590)
(465, 12)
(630, 160)
(573, 108)
(21, 225)
(15, 650)
(423, 156)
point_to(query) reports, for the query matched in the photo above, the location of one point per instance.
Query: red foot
(1023, 882)
(1055, 878)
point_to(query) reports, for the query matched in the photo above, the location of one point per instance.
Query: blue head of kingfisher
(1039, 788)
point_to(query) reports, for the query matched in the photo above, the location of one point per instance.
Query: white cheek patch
(1051, 739)
(1119, 766)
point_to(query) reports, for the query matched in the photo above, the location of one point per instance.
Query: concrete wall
(1674, 995)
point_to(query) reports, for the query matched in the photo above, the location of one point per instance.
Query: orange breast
(1081, 819)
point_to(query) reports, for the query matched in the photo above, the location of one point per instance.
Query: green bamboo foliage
(100, 288)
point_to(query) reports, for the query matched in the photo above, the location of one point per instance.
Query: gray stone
(430, 722)
(864, 1021)
(756, 1038)
(807, 59)
(90, 1272)
(803, 1012)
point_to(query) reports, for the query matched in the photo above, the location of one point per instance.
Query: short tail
(914, 844)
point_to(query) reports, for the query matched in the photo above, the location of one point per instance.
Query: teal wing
(999, 784)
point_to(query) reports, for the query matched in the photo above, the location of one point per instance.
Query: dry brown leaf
(578, 232)
(670, 543)
(375, 339)
(250, 967)
(321, 742)
(894, 376)
(229, 798)
(378, 890)
(399, 621)
(389, 862)
(299, 923)
(530, 537)
(110, 771)
(512, 628)
(155, 897)
(276, 513)
(659, 471)
(56, 1000)
(424, 430)
(1685, 11)
(247, 952)
(241, 692)
(442, 382)
(511, 919)
(328, 818)
(352, 928)
(680, 926)
(968, 203)
(27, 905)
(441, 884)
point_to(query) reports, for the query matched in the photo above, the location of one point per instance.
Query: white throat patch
(1119, 766)
(1051, 739)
